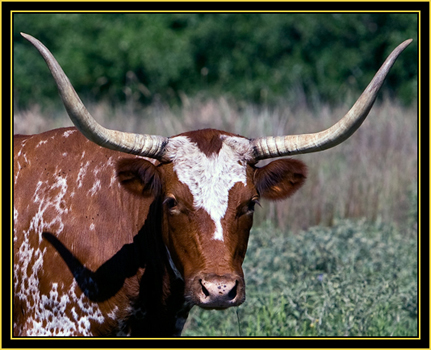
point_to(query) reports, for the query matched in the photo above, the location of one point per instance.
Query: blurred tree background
(251, 57)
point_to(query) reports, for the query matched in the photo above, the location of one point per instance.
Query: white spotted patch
(113, 314)
(15, 217)
(42, 142)
(209, 179)
(96, 187)
(82, 171)
(49, 197)
(51, 319)
(21, 161)
(45, 310)
(67, 133)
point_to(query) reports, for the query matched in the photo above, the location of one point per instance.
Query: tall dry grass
(373, 174)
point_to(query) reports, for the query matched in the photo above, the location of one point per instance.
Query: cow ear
(280, 178)
(139, 176)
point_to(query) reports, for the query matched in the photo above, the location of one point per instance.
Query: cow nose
(219, 289)
(220, 292)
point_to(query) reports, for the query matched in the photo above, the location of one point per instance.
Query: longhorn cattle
(121, 234)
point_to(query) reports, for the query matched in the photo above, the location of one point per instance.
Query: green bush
(353, 279)
(261, 58)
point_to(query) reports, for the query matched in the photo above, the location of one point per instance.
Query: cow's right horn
(152, 146)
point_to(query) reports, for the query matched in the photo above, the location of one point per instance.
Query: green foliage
(253, 57)
(353, 279)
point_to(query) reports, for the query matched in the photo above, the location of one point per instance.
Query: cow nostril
(204, 290)
(232, 293)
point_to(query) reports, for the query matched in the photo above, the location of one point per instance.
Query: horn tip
(406, 43)
(27, 36)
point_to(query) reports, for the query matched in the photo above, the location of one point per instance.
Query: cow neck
(161, 291)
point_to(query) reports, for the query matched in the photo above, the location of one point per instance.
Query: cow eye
(252, 203)
(248, 207)
(170, 203)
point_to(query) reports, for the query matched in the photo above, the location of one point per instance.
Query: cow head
(209, 184)
(209, 190)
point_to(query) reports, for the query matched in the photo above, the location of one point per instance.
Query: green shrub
(260, 58)
(353, 279)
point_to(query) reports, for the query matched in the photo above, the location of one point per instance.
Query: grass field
(339, 258)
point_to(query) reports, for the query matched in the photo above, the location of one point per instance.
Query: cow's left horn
(152, 146)
(271, 147)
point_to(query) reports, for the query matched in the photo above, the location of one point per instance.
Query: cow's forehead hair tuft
(239, 147)
(210, 177)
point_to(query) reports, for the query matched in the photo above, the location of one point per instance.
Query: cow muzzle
(212, 291)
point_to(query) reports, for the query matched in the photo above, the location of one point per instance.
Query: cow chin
(211, 291)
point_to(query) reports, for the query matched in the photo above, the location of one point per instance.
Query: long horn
(270, 147)
(152, 146)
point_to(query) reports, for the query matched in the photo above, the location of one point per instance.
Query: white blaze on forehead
(209, 178)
